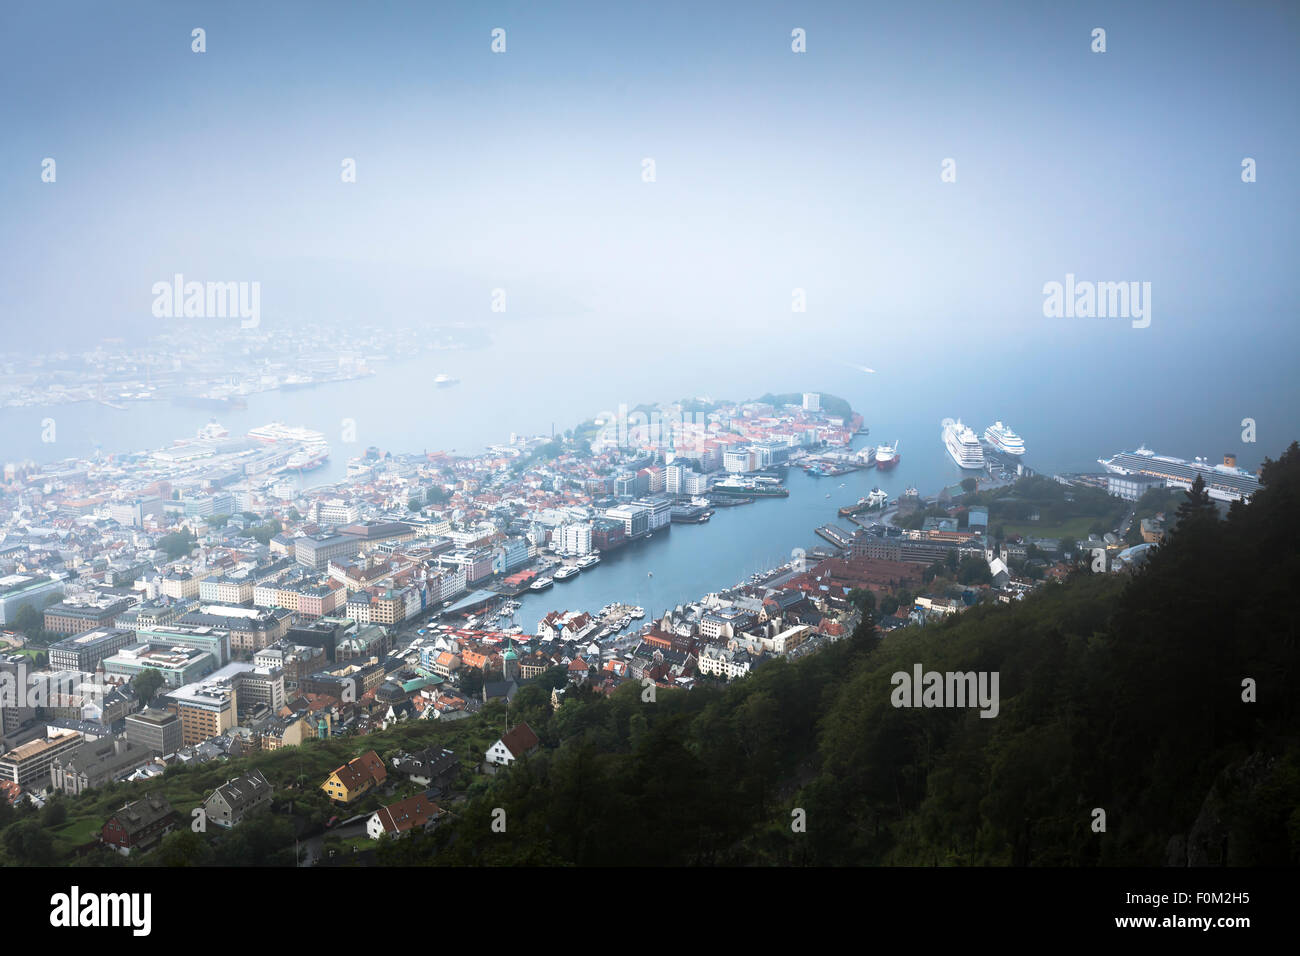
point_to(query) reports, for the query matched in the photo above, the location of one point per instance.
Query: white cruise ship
(278, 431)
(962, 444)
(1004, 439)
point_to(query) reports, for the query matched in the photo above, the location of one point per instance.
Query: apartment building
(86, 650)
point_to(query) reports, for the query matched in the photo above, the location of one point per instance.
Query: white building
(575, 538)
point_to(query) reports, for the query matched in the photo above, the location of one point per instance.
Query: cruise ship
(1002, 438)
(278, 431)
(886, 456)
(962, 445)
(1225, 482)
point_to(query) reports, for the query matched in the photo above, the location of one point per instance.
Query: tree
(1197, 504)
(146, 683)
(28, 844)
(29, 621)
(178, 544)
(54, 813)
(968, 485)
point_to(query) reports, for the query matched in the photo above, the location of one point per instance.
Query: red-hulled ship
(887, 456)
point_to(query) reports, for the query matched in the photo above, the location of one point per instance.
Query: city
(481, 439)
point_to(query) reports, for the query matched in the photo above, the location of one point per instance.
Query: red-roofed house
(518, 742)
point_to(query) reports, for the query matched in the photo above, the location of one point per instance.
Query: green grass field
(1076, 528)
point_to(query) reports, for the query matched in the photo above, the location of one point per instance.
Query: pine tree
(1198, 503)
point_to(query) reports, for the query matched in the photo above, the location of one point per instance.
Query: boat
(1224, 482)
(962, 445)
(1003, 439)
(638, 613)
(590, 561)
(442, 380)
(541, 584)
(877, 499)
(756, 487)
(571, 571)
(886, 456)
(309, 458)
(850, 510)
(278, 432)
(212, 431)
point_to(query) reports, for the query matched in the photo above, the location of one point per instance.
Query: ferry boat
(962, 445)
(1224, 482)
(590, 561)
(541, 584)
(886, 456)
(1002, 438)
(563, 574)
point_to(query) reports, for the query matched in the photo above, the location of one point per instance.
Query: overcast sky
(774, 170)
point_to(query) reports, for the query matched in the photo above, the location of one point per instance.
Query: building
(134, 513)
(634, 518)
(575, 538)
(738, 461)
(413, 813)
(250, 629)
(211, 640)
(69, 617)
(177, 665)
(29, 764)
(96, 763)
(317, 551)
(85, 651)
(355, 778)
(139, 826)
(238, 799)
(156, 731)
(18, 591)
(607, 534)
(812, 401)
(723, 662)
(205, 710)
(518, 743)
(1133, 486)
(659, 510)
(432, 767)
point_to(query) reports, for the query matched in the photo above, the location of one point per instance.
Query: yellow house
(355, 778)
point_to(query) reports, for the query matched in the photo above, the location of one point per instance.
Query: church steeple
(510, 661)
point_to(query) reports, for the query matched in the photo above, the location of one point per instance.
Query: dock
(836, 535)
